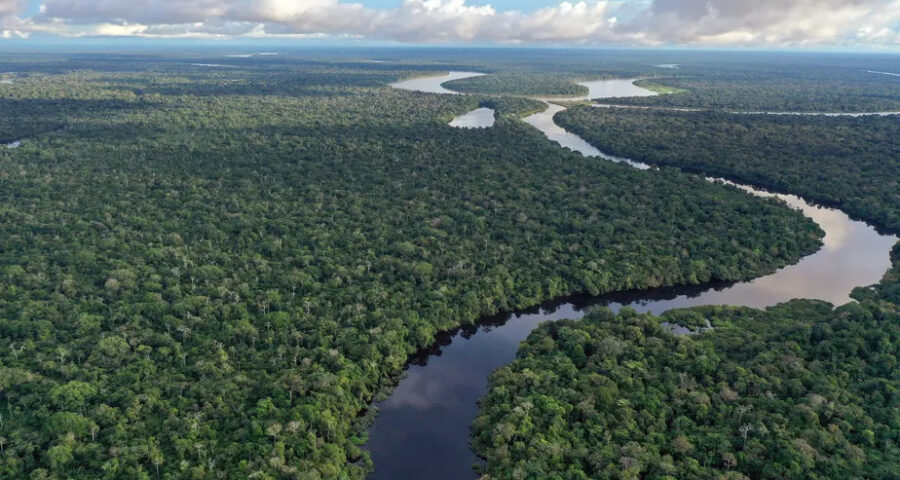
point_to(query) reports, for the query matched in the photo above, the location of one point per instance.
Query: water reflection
(213, 65)
(598, 89)
(478, 118)
(543, 121)
(617, 88)
(422, 430)
(434, 84)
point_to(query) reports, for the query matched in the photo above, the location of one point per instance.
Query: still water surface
(543, 121)
(434, 84)
(478, 118)
(422, 430)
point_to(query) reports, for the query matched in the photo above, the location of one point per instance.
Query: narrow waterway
(824, 114)
(543, 121)
(422, 429)
(884, 73)
(434, 84)
(804, 114)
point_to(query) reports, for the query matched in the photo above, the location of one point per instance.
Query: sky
(814, 24)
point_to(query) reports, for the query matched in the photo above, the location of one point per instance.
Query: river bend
(422, 429)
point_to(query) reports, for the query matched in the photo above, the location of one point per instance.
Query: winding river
(422, 429)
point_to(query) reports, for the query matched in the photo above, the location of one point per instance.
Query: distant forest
(210, 266)
(849, 162)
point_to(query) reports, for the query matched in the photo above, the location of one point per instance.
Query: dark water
(422, 430)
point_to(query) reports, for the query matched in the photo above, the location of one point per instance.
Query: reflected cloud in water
(422, 431)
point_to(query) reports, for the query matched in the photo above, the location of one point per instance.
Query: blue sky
(814, 24)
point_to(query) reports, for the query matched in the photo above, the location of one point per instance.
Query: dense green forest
(788, 89)
(750, 81)
(849, 162)
(539, 84)
(800, 390)
(713, 80)
(208, 272)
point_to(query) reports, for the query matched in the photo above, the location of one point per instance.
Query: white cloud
(10, 7)
(764, 22)
(703, 22)
(10, 25)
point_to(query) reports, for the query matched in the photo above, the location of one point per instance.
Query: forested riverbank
(817, 88)
(210, 273)
(850, 163)
(800, 390)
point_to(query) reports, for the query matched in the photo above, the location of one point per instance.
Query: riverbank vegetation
(800, 390)
(658, 87)
(210, 271)
(816, 88)
(566, 411)
(847, 162)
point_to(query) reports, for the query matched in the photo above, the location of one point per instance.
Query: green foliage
(888, 289)
(798, 87)
(514, 107)
(210, 272)
(848, 162)
(796, 391)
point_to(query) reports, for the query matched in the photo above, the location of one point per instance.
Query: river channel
(422, 430)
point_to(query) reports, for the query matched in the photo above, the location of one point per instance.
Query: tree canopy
(800, 390)
(208, 272)
(848, 162)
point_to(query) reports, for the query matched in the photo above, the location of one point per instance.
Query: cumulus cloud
(412, 20)
(10, 24)
(9, 7)
(704, 22)
(765, 22)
